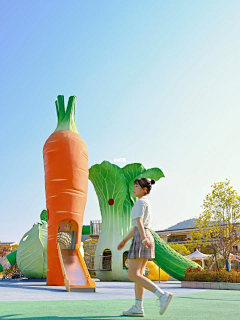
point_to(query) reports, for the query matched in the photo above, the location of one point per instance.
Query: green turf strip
(212, 304)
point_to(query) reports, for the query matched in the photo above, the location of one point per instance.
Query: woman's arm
(129, 236)
(141, 228)
(147, 243)
(125, 240)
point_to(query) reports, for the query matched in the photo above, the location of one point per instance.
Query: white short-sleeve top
(142, 209)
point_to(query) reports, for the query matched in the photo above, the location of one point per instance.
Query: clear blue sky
(157, 82)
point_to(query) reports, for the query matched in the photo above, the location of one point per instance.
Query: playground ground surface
(32, 299)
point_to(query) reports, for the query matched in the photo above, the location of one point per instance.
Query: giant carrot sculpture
(66, 183)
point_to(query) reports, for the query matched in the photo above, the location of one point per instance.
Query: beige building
(183, 236)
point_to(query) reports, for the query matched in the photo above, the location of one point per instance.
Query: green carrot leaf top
(66, 117)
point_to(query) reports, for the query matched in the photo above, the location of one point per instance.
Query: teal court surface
(32, 299)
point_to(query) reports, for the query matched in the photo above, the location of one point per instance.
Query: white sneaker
(164, 301)
(134, 312)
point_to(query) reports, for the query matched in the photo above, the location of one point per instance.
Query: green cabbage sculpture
(32, 251)
(114, 188)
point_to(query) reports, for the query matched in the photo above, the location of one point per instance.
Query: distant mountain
(190, 223)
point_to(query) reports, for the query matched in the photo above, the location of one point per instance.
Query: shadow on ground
(209, 299)
(31, 287)
(13, 316)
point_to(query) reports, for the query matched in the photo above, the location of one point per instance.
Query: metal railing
(98, 263)
(95, 227)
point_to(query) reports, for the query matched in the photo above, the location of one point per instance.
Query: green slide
(169, 260)
(8, 261)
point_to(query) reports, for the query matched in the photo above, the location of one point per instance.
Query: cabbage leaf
(32, 251)
(114, 189)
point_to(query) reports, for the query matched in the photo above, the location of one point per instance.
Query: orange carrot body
(66, 183)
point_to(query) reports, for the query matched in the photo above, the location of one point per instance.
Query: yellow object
(154, 272)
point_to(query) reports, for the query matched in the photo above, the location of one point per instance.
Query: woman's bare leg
(139, 290)
(134, 274)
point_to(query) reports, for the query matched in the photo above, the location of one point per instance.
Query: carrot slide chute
(66, 184)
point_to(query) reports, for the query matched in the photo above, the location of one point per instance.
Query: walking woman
(142, 249)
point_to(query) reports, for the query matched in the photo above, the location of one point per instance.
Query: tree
(180, 248)
(219, 222)
(11, 248)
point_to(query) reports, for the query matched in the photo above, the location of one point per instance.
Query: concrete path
(37, 290)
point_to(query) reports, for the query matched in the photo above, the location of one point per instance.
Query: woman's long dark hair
(145, 183)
